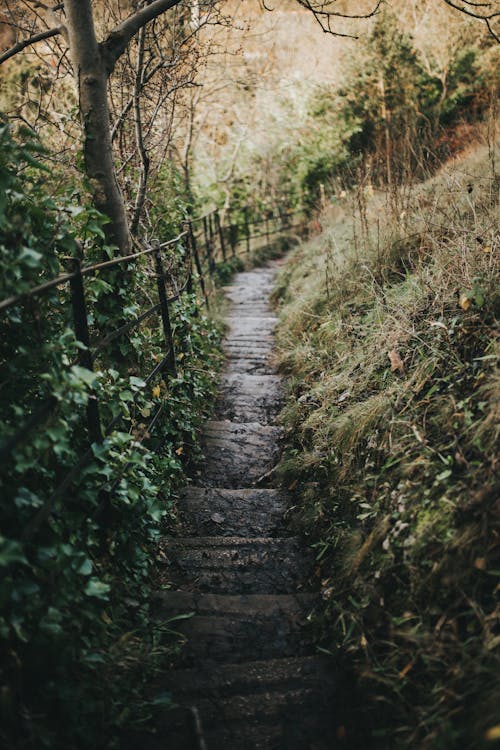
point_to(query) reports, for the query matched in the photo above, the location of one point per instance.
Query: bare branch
(324, 13)
(481, 11)
(118, 39)
(28, 42)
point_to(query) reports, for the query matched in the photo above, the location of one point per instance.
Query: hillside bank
(388, 336)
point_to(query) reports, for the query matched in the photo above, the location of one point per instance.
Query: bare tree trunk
(139, 136)
(91, 78)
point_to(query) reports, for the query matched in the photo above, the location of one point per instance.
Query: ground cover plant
(388, 335)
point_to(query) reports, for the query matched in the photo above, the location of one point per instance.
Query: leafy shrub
(77, 556)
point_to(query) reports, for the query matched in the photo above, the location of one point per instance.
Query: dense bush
(77, 559)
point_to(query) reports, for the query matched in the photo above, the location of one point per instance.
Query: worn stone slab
(244, 397)
(277, 704)
(250, 363)
(235, 565)
(237, 455)
(235, 628)
(220, 512)
(251, 326)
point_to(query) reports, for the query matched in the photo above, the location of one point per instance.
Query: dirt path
(250, 679)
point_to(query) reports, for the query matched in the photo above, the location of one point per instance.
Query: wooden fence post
(211, 234)
(233, 234)
(247, 229)
(197, 263)
(221, 235)
(165, 316)
(81, 326)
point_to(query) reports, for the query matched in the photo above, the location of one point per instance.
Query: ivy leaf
(137, 382)
(86, 567)
(83, 375)
(11, 552)
(30, 257)
(97, 588)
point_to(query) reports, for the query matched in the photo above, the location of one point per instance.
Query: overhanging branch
(118, 39)
(324, 13)
(481, 11)
(28, 42)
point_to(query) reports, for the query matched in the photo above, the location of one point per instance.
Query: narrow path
(250, 680)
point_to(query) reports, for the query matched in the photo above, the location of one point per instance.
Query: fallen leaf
(217, 518)
(464, 301)
(341, 732)
(293, 485)
(406, 669)
(493, 733)
(480, 563)
(396, 361)
(156, 391)
(180, 450)
(487, 249)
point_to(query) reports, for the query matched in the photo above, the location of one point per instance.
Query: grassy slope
(387, 335)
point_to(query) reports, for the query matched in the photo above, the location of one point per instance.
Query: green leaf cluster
(77, 557)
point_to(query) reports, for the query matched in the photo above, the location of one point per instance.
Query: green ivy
(77, 563)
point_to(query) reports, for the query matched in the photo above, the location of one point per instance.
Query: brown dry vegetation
(388, 335)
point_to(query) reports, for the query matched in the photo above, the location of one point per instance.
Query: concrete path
(250, 678)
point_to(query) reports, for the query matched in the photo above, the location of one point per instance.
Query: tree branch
(482, 11)
(323, 13)
(116, 43)
(28, 42)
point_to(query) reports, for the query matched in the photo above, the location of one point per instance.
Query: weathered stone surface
(220, 512)
(253, 364)
(251, 327)
(252, 685)
(249, 398)
(230, 565)
(237, 455)
(236, 628)
(277, 704)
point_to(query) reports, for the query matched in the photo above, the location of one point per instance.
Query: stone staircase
(250, 679)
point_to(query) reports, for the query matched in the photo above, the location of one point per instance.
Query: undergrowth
(388, 336)
(78, 642)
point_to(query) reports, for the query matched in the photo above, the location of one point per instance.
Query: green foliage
(168, 204)
(77, 558)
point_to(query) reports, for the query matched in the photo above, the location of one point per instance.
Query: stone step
(278, 704)
(220, 512)
(248, 326)
(248, 398)
(249, 348)
(234, 628)
(237, 454)
(235, 565)
(256, 307)
(250, 364)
